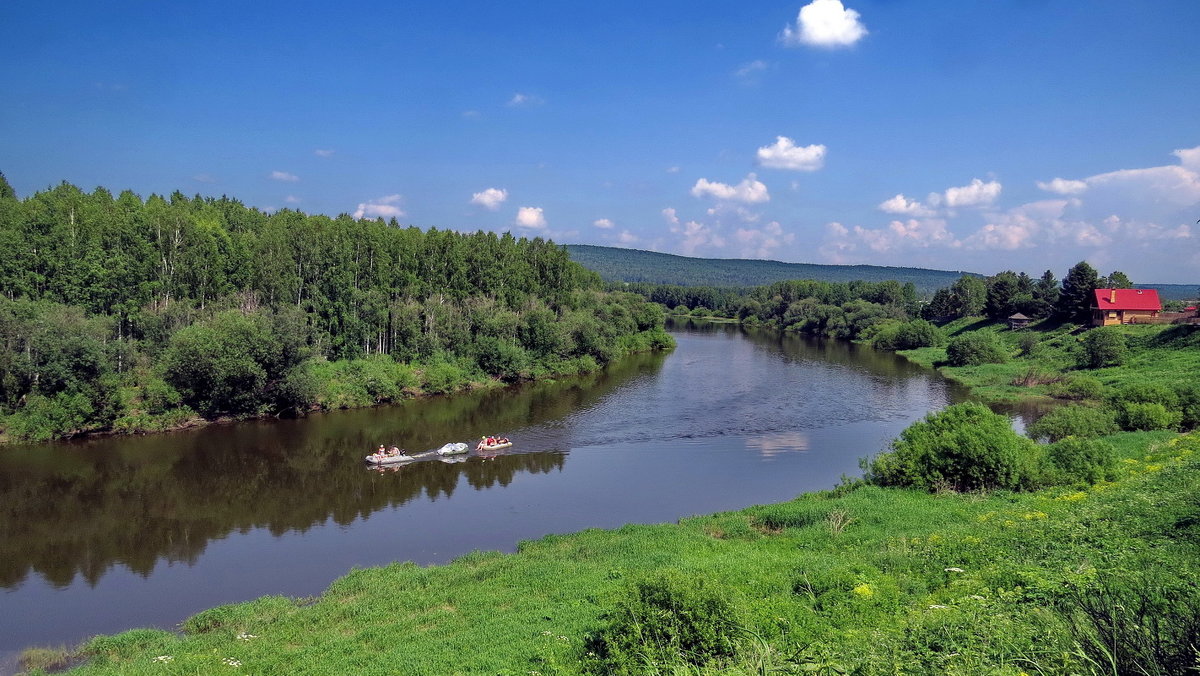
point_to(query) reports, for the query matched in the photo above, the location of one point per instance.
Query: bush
(1088, 460)
(1073, 421)
(1189, 405)
(973, 349)
(965, 447)
(1078, 387)
(907, 336)
(1028, 344)
(1147, 393)
(1135, 416)
(1104, 346)
(664, 620)
(44, 418)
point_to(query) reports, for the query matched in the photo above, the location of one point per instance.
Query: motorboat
(388, 458)
(494, 447)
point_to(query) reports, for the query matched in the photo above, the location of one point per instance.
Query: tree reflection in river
(80, 508)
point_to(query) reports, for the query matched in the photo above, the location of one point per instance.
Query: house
(1124, 306)
(1018, 321)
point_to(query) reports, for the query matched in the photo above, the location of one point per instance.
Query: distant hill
(1165, 291)
(634, 265)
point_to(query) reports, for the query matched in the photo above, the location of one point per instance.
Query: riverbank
(857, 579)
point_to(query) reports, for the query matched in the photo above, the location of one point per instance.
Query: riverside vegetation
(130, 315)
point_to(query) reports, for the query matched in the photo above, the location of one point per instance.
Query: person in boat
(396, 451)
(481, 444)
(381, 452)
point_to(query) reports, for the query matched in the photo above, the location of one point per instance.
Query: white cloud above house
(531, 217)
(283, 176)
(1062, 186)
(824, 23)
(490, 199)
(903, 206)
(603, 223)
(384, 207)
(785, 154)
(750, 190)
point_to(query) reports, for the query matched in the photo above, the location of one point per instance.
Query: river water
(103, 535)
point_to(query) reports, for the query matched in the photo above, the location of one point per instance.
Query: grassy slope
(859, 580)
(1168, 355)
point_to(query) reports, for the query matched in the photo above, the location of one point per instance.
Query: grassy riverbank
(862, 579)
(1042, 360)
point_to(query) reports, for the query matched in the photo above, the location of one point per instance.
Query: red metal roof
(1128, 299)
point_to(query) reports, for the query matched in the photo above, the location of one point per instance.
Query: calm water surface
(108, 534)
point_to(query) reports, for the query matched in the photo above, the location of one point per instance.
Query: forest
(125, 314)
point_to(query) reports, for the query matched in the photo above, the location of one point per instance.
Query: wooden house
(1124, 306)
(1018, 321)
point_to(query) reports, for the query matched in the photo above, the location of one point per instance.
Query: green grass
(860, 579)
(1166, 355)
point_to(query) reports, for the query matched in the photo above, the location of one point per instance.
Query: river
(103, 535)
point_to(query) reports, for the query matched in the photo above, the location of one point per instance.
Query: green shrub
(666, 619)
(1147, 393)
(1136, 416)
(907, 336)
(1073, 421)
(44, 418)
(973, 349)
(965, 447)
(1104, 346)
(1077, 387)
(1088, 460)
(1189, 405)
(1028, 344)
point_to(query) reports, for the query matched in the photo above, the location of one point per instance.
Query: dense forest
(136, 314)
(633, 265)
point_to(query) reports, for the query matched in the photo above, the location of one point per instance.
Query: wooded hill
(633, 265)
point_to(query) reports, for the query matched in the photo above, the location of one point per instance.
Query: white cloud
(471, 114)
(284, 176)
(673, 170)
(325, 153)
(750, 190)
(824, 23)
(603, 223)
(627, 237)
(785, 154)
(749, 73)
(902, 205)
(490, 199)
(696, 235)
(205, 178)
(1063, 186)
(1189, 157)
(670, 215)
(531, 217)
(976, 194)
(384, 207)
(1170, 185)
(762, 242)
(291, 199)
(520, 100)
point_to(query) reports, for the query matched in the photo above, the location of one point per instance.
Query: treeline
(119, 312)
(888, 314)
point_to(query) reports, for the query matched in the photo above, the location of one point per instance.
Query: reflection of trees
(81, 508)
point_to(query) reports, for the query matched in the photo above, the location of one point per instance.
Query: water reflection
(79, 509)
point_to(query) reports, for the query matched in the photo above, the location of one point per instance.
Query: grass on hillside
(1161, 354)
(856, 580)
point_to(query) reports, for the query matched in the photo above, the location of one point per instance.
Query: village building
(1124, 306)
(1018, 321)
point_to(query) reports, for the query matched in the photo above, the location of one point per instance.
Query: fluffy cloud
(384, 207)
(695, 235)
(531, 217)
(761, 243)
(785, 154)
(904, 206)
(750, 190)
(1189, 157)
(490, 199)
(520, 100)
(291, 199)
(670, 215)
(749, 72)
(1063, 186)
(627, 237)
(603, 223)
(284, 176)
(325, 153)
(976, 194)
(824, 23)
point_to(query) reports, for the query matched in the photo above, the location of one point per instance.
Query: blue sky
(1022, 134)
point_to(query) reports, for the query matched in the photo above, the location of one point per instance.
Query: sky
(982, 136)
